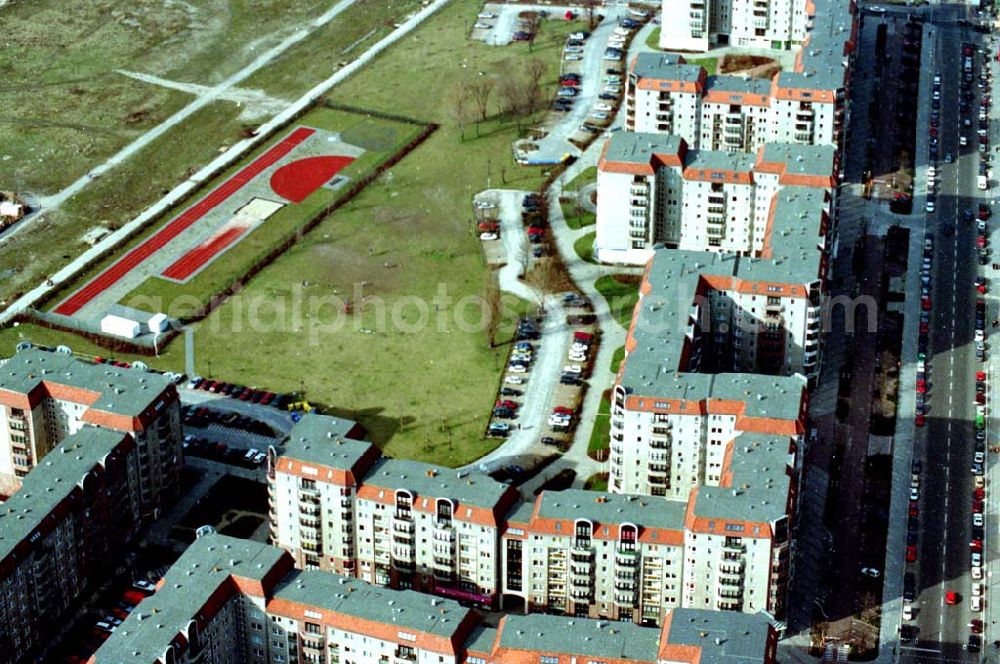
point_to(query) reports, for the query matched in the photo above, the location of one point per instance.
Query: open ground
(423, 389)
(81, 101)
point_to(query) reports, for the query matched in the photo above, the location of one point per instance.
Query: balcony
(627, 557)
(582, 554)
(803, 136)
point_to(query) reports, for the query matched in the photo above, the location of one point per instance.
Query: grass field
(617, 359)
(585, 177)
(600, 435)
(577, 218)
(621, 292)
(596, 482)
(422, 389)
(380, 138)
(584, 247)
(76, 110)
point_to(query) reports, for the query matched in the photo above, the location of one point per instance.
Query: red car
(934, 131)
(976, 546)
(563, 410)
(921, 386)
(924, 328)
(979, 493)
(976, 626)
(925, 304)
(951, 598)
(919, 420)
(980, 241)
(980, 398)
(911, 553)
(914, 508)
(507, 403)
(977, 506)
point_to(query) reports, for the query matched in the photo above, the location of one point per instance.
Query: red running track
(192, 261)
(127, 263)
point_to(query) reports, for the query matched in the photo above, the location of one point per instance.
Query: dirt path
(207, 96)
(236, 152)
(255, 103)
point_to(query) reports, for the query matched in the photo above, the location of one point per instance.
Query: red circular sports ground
(295, 181)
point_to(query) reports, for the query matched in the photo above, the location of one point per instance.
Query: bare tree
(588, 7)
(480, 89)
(492, 307)
(534, 69)
(459, 107)
(510, 90)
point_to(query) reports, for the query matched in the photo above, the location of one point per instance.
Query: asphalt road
(945, 444)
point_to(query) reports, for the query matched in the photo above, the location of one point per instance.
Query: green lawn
(408, 363)
(711, 65)
(379, 136)
(583, 178)
(622, 293)
(600, 435)
(596, 482)
(80, 110)
(584, 247)
(577, 218)
(617, 358)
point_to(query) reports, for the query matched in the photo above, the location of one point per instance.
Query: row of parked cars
(976, 602)
(202, 416)
(111, 619)
(216, 451)
(518, 367)
(240, 392)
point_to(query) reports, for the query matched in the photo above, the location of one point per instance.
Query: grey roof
(425, 480)
(665, 66)
(481, 639)
(611, 508)
(717, 160)
(739, 85)
(580, 637)
(653, 368)
(760, 484)
(823, 59)
(406, 609)
(123, 391)
(725, 637)
(802, 159)
(51, 481)
(186, 589)
(636, 147)
(521, 513)
(326, 441)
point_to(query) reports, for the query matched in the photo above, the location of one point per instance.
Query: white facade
(652, 191)
(695, 25)
(46, 396)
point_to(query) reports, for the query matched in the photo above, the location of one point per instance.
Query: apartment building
(236, 601)
(732, 113)
(312, 491)
(722, 545)
(695, 25)
(687, 636)
(47, 395)
(595, 555)
(653, 190)
(62, 533)
(431, 529)
(336, 505)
